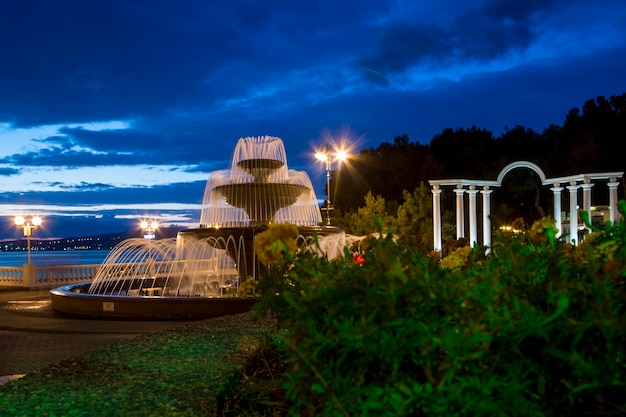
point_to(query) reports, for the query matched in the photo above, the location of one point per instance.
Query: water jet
(197, 274)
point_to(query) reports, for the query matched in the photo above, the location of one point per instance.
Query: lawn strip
(177, 372)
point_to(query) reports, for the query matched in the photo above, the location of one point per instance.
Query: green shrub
(536, 328)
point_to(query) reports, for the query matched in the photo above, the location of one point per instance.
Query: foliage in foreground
(536, 328)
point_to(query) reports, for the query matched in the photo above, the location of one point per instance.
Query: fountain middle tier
(261, 201)
(260, 169)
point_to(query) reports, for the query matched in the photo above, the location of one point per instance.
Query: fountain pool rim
(70, 300)
(74, 301)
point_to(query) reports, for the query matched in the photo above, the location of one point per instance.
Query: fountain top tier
(259, 189)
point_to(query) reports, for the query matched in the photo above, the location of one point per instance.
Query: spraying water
(258, 190)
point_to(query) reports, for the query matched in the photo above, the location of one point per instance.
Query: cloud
(8, 171)
(99, 193)
(67, 157)
(76, 147)
(84, 186)
(116, 59)
(522, 12)
(483, 37)
(473, 36)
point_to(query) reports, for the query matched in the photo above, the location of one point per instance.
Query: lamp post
(29, 227)
(325, 156)
(149, 228)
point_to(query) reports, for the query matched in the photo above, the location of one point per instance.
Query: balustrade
(34, 277)
(11, 277)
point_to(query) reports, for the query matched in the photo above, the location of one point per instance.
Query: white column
(436, 218)
(613, 199)
(486, 216)
(573, 212)
(472, 215)
(586, 186)
(460, 212)
(556, 191)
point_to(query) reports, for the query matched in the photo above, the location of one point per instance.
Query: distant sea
(52, 258)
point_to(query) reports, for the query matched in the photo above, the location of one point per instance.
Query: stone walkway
(33, 336)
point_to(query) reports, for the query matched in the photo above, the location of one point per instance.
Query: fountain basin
(74, 301)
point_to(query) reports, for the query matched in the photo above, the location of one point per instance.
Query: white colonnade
(573, 183)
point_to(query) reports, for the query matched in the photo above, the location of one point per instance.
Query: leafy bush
(536, 328)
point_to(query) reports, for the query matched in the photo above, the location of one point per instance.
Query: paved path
(33, 336)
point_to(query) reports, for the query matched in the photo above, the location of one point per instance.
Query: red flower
(358, 259)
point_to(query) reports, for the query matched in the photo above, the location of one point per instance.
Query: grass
(185, 371)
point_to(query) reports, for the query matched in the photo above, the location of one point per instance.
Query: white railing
(41, 277)
(35, 277)
(11, 276)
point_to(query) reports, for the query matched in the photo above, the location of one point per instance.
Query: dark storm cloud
(476, 35)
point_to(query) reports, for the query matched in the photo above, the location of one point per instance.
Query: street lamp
(29, 227)
(325, 156)
(149, 228)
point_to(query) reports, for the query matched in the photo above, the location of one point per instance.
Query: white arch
(521, 164)
(556, 184)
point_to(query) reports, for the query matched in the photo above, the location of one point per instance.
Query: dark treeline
(591, 139)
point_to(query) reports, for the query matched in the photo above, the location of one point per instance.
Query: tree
(384, 171)
(364, 220)
(414, 218)
(590, 140)
(520, 143)
(467, 153)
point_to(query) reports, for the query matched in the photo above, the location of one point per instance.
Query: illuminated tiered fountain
(259, 189)
(256, 191)
(200, 270)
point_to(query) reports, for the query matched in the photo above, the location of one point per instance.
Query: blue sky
(112, 111)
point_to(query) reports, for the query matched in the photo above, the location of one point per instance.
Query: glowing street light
(29, 227)
(149, 228)
(325, 156)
